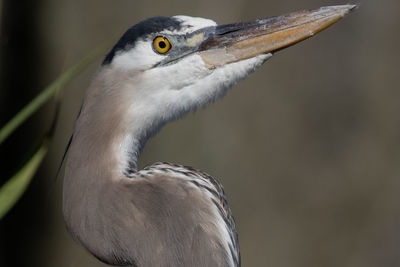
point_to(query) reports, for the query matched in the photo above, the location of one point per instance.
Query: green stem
(47, 93)
(14, 188)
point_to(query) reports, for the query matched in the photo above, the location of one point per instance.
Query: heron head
(175, 64)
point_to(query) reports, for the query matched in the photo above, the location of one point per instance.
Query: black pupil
(162, 44)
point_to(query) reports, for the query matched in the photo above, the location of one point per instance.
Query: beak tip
(353, 6)
(340, 10)
(346, 9)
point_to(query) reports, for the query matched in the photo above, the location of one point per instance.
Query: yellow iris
(161, 44)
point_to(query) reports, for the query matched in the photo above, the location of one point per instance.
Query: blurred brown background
(308, 147)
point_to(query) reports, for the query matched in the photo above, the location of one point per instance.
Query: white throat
(168, 93)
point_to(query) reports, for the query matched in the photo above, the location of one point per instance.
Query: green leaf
(14, 188)
(47, 93)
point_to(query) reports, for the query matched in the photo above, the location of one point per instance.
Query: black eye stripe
(141, 30)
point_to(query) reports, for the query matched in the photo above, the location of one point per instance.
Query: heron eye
(161, 44)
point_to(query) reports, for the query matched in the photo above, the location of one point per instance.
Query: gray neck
(109, 126)
(131, 150)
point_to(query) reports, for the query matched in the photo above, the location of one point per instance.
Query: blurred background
(307, 147)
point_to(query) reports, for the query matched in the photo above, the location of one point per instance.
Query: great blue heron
(161, 68)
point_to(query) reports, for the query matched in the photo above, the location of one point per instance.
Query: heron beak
(234, 42)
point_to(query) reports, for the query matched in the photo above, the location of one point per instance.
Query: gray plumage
(173, 223)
